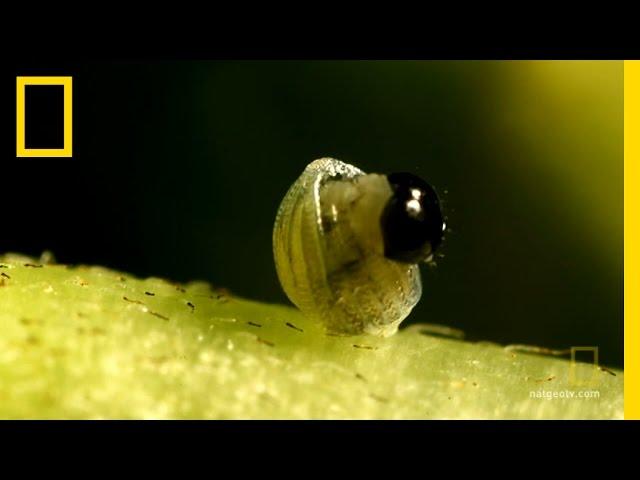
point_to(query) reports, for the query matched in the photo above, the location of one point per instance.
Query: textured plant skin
(89, 342)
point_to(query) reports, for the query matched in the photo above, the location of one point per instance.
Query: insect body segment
(332, 253)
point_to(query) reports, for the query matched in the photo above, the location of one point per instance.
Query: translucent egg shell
(329, 249)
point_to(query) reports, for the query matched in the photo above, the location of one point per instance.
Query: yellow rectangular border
(21, 150)
(631, 239)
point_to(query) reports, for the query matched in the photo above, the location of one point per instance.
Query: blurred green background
(179, 169)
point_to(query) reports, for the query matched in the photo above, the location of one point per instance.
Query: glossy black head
(412, 223)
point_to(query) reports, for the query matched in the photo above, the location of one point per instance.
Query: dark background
(44, 116)
(179, 167)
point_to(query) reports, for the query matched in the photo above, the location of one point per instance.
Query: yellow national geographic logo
(21, 145)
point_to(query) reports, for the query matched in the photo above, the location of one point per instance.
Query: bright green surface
(89, 342)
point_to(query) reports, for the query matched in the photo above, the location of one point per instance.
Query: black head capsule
(411, 222)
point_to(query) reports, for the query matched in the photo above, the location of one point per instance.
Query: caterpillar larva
(347, 245)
